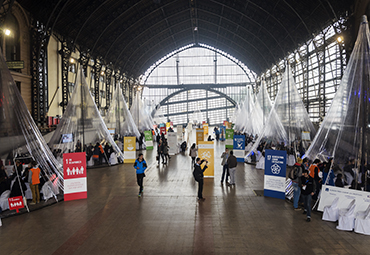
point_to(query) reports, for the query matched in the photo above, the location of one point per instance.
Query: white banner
(329, 193)
(75, 185)
(172, 142)
(275, 183)
(239, 153)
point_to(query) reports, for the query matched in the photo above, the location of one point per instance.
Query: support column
(108, 83)
(65, 52)
(97, 69)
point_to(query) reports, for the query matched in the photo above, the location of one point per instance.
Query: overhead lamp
(121, 81)
(102, 73)
(72, 60)
(139, 88)
(277, 73)
(7, 32)
(340, 39)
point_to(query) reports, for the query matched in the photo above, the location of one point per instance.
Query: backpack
(196, 175)
(293, 174)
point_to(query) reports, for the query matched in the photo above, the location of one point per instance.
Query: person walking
(225, 166)
(308, 190)
(296, 174)
(140, 166)
(199, 177)
(159, 151)
(232, 163)
(193, 153)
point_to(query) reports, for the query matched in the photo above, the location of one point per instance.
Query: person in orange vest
(101, 154)
(315, 174)
(34, 180)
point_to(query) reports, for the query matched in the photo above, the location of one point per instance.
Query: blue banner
(239, 147)
(275, 174)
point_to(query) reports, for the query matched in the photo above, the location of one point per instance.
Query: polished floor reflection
(169, 220)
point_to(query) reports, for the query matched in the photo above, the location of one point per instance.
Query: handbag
(157, 157)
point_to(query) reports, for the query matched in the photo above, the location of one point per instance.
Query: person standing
(159, 151)
(232, 163)
(199, 177)
(225, 166)
(308, 190)
(193, 153)
(165, 155)
(34, 180)
(140, 166)
(295, 175)
(78, 146)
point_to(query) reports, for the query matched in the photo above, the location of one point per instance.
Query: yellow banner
(200, 135)
(129, 149)
(205, 127)
(206, 151)
(168, 125)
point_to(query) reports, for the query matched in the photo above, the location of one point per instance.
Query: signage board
(199, 135)
(148, 139)
(15, 203)
(15, 64)
(239, 147)
(75, 181)
(206, 151)
(172, 142)
(229, 137)
(275, 174)
(129, 149)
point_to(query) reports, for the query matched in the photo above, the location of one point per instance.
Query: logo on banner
(275, 169)
(268, 157)
(206, 155)
(75, 171)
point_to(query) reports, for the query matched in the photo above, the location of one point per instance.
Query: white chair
(113, 159)
(343, 211)
(362, 222)
(331, 212)
(4, 200)
(346, 221)
(261, 163)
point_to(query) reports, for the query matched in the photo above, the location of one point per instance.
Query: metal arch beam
(193, 46)
(138, 21)
(184, 89)
(149, 41)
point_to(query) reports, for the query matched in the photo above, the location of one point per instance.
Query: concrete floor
(169, 220)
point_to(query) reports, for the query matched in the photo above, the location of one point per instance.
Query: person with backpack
(295, 175)
(198, 176)
(140, 166)
(316, 174)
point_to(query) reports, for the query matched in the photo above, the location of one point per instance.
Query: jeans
(192, 161)
(307, 204)
(225, 169)
(35, 193)
(296, 194)
(232, 175)
(140, 178)
(159, 158)
(200, 189)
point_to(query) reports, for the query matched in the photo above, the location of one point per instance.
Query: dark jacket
(310, 185)
(198, 172)
(231, 161)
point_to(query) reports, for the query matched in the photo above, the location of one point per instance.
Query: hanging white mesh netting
(20, 137)
(82, 122)
(344, 133)
(197, 117)
(119, 117)
(142, 120)
(244, 111)
(288, 122)
(259, 114)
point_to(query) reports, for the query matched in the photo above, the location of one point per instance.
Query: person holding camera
(198, 175)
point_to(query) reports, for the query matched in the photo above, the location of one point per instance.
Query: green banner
(148, 140)
(229, 138)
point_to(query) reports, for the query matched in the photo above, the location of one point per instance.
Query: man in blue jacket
(140, 166)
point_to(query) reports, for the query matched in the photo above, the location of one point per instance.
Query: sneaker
(304, 212)
(297, 209)
(201, 199)
(32, 203)
(308, 219)
(139, 195)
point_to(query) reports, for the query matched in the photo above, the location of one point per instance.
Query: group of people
(162, 149)
(16, 182)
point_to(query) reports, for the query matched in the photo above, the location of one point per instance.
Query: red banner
(75, 183)
(15, 203)
(162, 130)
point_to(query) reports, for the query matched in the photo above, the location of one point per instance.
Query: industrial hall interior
(184, 127)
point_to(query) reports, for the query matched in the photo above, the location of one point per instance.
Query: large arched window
(12, 39)
(197, 78)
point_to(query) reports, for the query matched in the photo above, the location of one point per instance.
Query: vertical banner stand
(206, 151)
(275, 174)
